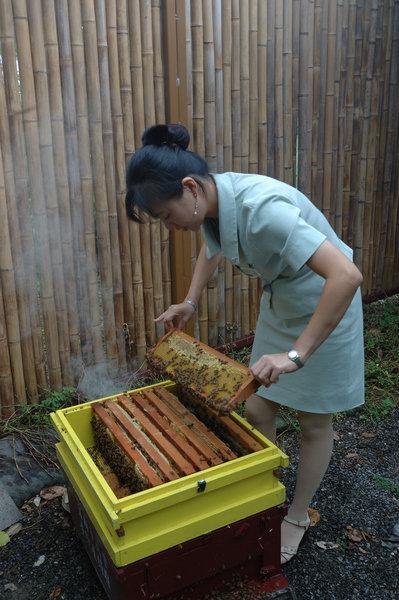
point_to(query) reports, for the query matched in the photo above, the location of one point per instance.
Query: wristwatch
(294, 356)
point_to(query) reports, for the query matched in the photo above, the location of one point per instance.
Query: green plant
(374, 411)
(386, 484)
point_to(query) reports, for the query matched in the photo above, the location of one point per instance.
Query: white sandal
(288, 552)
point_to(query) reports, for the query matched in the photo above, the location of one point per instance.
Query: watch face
(293, 354)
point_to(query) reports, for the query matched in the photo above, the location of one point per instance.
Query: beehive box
(163, 516)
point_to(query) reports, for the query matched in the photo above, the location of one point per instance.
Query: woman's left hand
(269, 367)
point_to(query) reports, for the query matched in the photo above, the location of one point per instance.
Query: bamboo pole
(61, 178)
(336, 209)
(219, 99)
(136, 330)
(188, 67)
(367, 147)
(227, 267)
(136, 69)
(270, 93)
(243, 16)
(13, 146)
(42, 243)
(383, 261)
(155, 229)
(99, 179)
(310, 99)
(193, 261)
(124, 78)
(142, 62)
(26, 337)
(253, 164)
(236, 141)
(10, 322)
(49, 183)
(341, 82)
(245, 305)
(209, 87)
(164, 287)
(198, 77)
(384, 103)
(109, 164)
(210, 147)
(218, 54)
(77, 137)
(278, 94)
(329, 112)
(356, 136)
(6, 386)
(287, 90)
(255, 284)
(227, 86)
(303, 97)
(320, 115)
(372, 175)
(295, 10)
(235, 88)
(159, 86)
(348, 70)
(197, 35)
(262, 86)
(127, 312)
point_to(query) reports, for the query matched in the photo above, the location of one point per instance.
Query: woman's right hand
(183, 311)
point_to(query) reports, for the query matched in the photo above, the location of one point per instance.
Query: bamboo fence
(301, 90)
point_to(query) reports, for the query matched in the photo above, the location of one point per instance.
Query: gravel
(350, 501)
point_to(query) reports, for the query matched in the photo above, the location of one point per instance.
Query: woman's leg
(314, 457)
(261, 414)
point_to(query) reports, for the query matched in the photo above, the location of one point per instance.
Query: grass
(386, 484)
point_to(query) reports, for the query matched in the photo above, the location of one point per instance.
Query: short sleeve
(276, 227)
(212, 245)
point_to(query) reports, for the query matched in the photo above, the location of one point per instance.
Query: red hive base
(249, 548)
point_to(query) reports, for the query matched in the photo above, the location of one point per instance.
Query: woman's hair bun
(170, 135)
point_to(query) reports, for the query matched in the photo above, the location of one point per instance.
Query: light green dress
(270, 229)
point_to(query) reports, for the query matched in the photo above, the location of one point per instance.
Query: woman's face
(179, 214)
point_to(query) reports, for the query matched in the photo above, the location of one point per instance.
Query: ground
(358, 505)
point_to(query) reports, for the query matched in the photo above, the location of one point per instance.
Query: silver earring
(196, 203)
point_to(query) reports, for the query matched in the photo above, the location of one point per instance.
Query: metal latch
(201, 485)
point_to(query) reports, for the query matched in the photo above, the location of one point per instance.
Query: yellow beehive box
(153, 520)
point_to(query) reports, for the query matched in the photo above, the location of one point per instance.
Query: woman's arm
(342, 278)
(203, 271)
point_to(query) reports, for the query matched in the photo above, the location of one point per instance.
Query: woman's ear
(188, 183)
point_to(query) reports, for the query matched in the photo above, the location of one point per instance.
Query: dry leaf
(369, 435)
(336, 436)
(314, 516)
(55, 593)
(14, 529)
(39, 561)
(353, 534)
(326, 545)
(52, 492)
(362, 550)
(352, 455)
(27, 507)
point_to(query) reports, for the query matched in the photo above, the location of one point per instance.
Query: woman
(308, 347)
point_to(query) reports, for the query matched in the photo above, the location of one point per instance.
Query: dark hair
(155, 172)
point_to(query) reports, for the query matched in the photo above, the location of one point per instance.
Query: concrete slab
(29, 478)
(9, 513)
